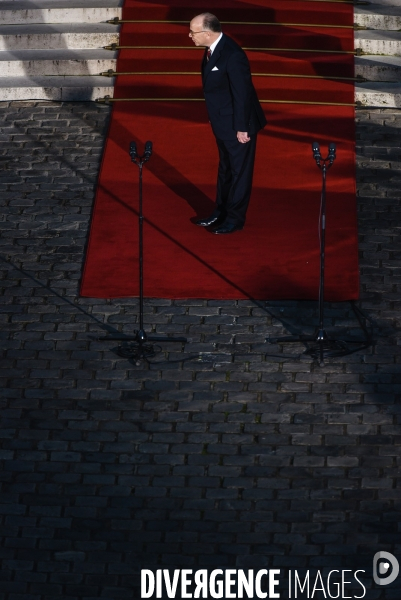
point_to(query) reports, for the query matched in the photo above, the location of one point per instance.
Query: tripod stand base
(320, 347)
(136, 351)
(137, 347)
(327, 348)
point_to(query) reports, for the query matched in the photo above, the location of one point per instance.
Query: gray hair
(211, 23)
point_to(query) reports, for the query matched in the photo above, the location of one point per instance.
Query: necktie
(208, 55)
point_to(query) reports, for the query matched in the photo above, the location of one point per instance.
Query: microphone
(332, 152)
(148, 150)
(316, 151)
(133, 152)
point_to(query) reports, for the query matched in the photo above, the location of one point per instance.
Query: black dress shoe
(212, 220)
(228, 228)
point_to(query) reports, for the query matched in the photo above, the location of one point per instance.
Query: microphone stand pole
(320, 345)
(321, 337)
(137, 347)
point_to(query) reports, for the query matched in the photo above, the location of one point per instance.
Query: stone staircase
(380, 48)
(54, 50)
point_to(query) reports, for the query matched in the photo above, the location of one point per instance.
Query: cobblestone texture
(223, 452)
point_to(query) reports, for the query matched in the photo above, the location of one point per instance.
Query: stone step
(377, 16)
(92, 88)
(59, 11)
(387, 2)
(379, 42)
(386, 95)
(378, 68)
(55, 88)
(58, 36)
(37, 63)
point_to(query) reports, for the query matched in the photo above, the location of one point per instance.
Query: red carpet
(276, 256)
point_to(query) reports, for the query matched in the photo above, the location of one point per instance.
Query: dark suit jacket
(231, 100)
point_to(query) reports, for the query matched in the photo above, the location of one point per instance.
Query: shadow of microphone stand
(321, 345)
(139, 346)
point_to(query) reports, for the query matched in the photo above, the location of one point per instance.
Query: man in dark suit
(235, 116)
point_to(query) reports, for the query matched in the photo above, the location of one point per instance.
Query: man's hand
(243, 137)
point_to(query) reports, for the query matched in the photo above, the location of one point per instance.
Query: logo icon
(385, 563)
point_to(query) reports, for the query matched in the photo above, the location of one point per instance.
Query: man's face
(196, 33)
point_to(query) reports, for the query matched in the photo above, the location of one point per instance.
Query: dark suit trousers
(234, 180)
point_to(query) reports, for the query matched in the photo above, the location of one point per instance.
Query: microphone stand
(320, 344)
(137, 347)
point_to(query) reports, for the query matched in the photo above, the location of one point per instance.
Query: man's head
(204, 29)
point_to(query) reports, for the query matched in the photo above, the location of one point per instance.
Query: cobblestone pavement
(224, 452)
